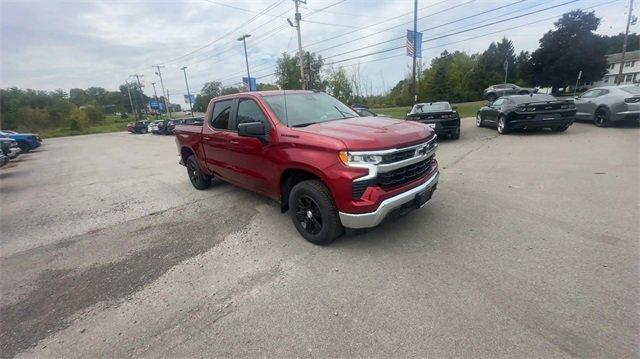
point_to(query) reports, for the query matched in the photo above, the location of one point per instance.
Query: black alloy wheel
(308, 215)
(314, 212)
(198, 179)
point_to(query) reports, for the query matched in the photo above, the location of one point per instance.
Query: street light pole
(166, 95)
(184, 69)
(246, 58)
(415, 50)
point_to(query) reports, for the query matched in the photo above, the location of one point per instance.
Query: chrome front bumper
(372, 219)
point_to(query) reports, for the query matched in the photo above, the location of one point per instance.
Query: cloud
(65, 44)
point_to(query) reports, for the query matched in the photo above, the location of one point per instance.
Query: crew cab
(325, 164)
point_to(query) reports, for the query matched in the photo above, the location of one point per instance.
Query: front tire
(24, 147)
(143, 131)
(198, 179)
(314, 213)
(560, 128)
(502, 125)
(479, 121)
(602, 118)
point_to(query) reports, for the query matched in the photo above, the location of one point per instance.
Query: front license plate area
(423, 197)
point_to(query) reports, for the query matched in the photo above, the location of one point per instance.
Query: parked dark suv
(491, 93)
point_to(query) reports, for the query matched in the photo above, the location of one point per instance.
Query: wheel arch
(292, 176)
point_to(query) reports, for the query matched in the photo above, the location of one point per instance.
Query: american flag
(411, 46)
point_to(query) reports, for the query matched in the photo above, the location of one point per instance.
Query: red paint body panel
(248, 163)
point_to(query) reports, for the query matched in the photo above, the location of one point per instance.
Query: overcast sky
(66, 44)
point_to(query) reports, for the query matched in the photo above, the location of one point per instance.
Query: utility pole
(166, 105)
(624, 44)
(155, 96)
(184, 69)
(167, 100)
(415, 50)
(144, 106)
(130, 101)
(303, 79)
(246, 58)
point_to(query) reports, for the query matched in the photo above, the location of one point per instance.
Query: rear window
(431, 107)
(634, 90)
(531, 98)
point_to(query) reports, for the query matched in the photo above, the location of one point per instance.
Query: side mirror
(253, 129)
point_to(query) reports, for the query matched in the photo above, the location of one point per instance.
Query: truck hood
(372, 133)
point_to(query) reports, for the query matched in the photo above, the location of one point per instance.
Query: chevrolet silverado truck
(327, 166)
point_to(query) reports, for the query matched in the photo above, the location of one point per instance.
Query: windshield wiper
(305, 124)
(346, 115)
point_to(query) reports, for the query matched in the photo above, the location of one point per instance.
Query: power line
(451, 34)
(463, 40)
(270, 7)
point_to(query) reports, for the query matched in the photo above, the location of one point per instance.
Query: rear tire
(502, 125)
(143, 131)
(456, 135)
(198, 179)
(602, 117)
(314, 213)
(491, 97)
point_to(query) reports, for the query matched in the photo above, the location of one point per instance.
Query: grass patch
(465, 109)
(102, 128)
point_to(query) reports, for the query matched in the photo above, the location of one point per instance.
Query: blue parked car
(26, 141)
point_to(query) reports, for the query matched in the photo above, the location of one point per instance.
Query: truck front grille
(404, 175)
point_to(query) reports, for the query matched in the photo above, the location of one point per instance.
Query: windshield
(302, 109)
(635, 90)
(431, 107)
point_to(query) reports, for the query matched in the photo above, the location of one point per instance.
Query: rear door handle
(206, 138)
(234, 142)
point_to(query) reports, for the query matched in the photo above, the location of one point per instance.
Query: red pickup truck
(325, 164)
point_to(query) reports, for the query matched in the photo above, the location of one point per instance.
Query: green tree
(94, 113)
(288, 71)
(266, 87)
(209, 90)
(570, 48)
(339, 86)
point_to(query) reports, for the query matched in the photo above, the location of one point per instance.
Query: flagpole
(415, 49)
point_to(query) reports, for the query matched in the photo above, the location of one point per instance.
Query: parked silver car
(491, 93)
(608, 104)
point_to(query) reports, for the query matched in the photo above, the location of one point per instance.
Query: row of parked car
(521, 109)
(161, 127)
(14, 143)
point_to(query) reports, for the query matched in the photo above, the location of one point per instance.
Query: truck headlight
(358, 158)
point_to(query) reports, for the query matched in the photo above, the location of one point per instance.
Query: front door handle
(206, 138)
(234, 142)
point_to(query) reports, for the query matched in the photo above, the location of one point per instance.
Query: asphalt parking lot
(529, 248)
